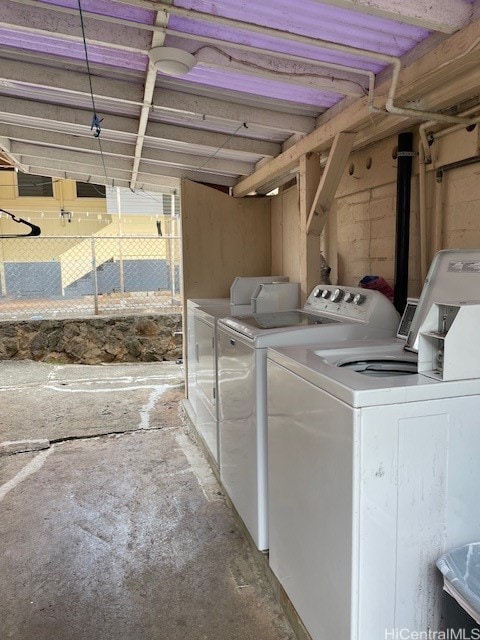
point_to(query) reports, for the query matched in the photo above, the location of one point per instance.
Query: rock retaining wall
(93, 340)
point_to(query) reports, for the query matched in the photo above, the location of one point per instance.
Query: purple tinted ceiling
(79, 100)
(73, 50)
(306, 17)
(261, 87)
(314, 19)
(270, 43)
(108, 8)
(255, 132)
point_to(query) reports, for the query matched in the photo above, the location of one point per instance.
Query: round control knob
(337, 295)
(348, 297)
(359, 299)
(318, 293)
(325, 294)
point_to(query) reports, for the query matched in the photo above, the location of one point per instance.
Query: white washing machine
(373, 474)
(205, 390)
(190, 404)
(329, 315)
(203, 315)
(241, 291)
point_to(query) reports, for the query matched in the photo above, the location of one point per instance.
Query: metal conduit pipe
(143, 121)
(216, 41)
(402, 237)
(422, 210)
(276, 33)
(171, 9)
(158, 38)
(293, 37)
(439, 134)
(438, 216)
(416, 113)
(408, 112)
(284, 35)
(425, 158)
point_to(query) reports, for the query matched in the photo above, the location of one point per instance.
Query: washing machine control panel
(337, 295)
(349, 302)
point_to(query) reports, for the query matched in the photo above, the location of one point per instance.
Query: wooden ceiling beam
(455, 60)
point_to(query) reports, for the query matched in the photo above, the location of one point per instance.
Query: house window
(167, 205)
(89, 190)
(29, 185)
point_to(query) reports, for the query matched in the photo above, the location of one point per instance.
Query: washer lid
(380, 367)
(277, 320)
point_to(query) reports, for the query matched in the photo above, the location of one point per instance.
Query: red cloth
(378, 283)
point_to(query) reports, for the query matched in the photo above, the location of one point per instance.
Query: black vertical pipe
(402, 238)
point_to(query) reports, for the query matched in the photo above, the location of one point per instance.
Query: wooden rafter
(448, 71)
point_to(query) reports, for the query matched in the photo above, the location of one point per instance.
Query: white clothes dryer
(203, 315)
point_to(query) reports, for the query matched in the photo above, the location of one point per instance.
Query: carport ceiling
(265, 73)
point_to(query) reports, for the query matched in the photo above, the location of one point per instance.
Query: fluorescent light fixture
(172, 61)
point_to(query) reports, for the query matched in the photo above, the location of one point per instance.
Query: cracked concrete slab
(11, 465)
(115, 538)
(126, 536)
(58, 401)
(22, 446)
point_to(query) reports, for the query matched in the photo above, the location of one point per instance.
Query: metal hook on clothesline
(34, 230)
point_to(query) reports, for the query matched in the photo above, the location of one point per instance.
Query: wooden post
(310, 173)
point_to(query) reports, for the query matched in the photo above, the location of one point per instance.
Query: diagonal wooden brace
(325, 194)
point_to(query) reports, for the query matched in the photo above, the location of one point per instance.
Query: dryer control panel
(363, 305)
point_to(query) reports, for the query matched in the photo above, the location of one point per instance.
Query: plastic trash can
(461, 581)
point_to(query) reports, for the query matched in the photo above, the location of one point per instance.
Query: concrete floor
(125, 536)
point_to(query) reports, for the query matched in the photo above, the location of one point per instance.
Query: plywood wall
(286, 235)
(360, 235)
(223, 237)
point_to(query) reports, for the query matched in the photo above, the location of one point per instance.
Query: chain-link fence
(77, 275)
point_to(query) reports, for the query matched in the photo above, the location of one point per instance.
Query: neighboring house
(69, 208)
(81, 224)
